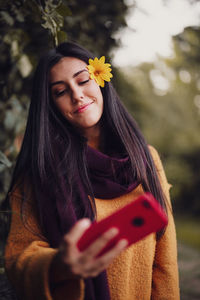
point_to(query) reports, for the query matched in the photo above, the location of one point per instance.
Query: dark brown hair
(53, 151)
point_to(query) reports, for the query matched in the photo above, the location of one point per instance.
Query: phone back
(134, 221)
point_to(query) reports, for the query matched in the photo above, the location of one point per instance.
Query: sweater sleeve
(28, 258)
(165, 285)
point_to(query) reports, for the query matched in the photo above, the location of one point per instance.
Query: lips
(82, 108)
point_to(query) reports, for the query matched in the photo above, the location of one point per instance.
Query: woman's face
(78, 97)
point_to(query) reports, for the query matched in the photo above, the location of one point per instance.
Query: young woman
(82, 158)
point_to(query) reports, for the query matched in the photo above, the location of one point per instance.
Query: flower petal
(106, 77)
(100, 81)
(96, 60)
(91, 69)
(102, 60)
(92, 76)
(107, 65)
(91, 61)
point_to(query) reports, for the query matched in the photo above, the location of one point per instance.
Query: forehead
(67, 66)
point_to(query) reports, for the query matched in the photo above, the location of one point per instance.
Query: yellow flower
(99, 71)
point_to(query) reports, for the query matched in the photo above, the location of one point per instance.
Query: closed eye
(60, 93)
(83, 82)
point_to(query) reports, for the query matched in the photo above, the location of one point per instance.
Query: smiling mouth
(82, 108)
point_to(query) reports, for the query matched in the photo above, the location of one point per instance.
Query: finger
(100, 243)
(69, 253)
(94, 267)
(106, 258)
(77, 231)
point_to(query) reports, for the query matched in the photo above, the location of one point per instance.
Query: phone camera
(137, 221)
(146, 204)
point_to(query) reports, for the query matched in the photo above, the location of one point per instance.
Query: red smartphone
(134, 221)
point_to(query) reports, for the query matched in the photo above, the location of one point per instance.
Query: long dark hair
(52, 155)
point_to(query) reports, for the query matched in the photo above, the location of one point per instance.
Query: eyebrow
(79, 72)
(62, 82)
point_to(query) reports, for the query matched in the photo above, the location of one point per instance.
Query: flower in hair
(99, 71)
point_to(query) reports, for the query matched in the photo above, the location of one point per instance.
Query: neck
(94, 138)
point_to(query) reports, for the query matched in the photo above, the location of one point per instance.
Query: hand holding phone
(134, 221)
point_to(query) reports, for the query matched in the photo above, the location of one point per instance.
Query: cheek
(101, 104)
(63, 107)
(95, 91)
(100, 100)
(93, 86)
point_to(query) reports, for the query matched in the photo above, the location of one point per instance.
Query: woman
(83, 157)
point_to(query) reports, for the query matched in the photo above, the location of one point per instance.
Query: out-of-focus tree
(28, 28)
(169, 91)
(187, 89)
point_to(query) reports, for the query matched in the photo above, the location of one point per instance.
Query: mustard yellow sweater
(146, 270)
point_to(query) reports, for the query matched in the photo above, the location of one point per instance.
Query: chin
(90, 122)
(88, 125)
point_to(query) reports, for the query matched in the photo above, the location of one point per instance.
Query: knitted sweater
(146, 270)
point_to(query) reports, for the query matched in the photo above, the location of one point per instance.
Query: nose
(76, 94)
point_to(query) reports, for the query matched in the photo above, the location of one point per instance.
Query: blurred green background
(163, 96)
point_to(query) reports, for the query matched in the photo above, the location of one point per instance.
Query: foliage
(188, 231)
(170, 115)
(27, 29)
(187, 68)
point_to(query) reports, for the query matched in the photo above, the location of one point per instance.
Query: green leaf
(5, 16)
(63, 10)
(62, 36)
(4, 161)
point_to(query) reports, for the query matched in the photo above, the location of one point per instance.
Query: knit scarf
(110, 178)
